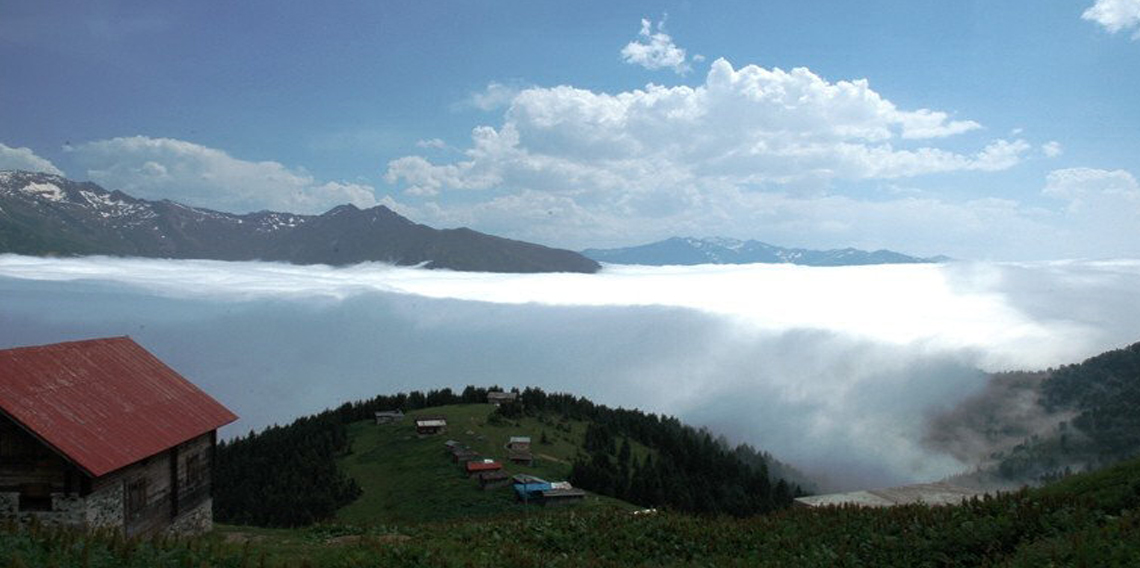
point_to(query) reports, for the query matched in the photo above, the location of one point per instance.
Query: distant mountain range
(44, 214)
(689, 251)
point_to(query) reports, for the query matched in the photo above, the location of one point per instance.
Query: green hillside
(340, 465)
(408, 478)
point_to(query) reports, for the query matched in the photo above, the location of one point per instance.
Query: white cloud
(433, 143)
(595, 166)
(1115, 15)
(656, 50)
(1102, 207)
(25, 159)
(1052, 149)
(1083, 183)
(164, 168)
(493, 96)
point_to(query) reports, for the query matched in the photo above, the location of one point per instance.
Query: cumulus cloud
(165, 168)
(494, 96)
(608, 168)
(1052, 149)
(1115, 15)
(655, 50)
(25, 159)
(834, 369)
(751, 126)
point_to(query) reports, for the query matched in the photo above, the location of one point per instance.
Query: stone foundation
(196, 521)
(102, 509)
(65, 510)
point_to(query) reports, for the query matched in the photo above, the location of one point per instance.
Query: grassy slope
(408, 478)
(1086, 520)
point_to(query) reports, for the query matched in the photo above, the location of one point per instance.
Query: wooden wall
(26, 461)
(154, 490)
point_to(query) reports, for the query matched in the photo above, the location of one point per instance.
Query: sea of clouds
(835, 370)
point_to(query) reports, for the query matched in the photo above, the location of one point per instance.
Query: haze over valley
(835, 370)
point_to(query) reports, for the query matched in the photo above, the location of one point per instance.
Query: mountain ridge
(720, 250)
(45, 214)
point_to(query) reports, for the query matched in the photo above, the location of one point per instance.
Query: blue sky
(990, 130)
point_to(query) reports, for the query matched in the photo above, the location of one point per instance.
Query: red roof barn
(100, 433)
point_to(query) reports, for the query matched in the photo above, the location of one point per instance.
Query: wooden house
(389, 416)
(489, 480)
(475, 467)
(519, 444)
(427, 425)
(558, 497)
(101, 434)
(499, 397)
(521, 458)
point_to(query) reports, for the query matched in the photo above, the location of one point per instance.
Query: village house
(389, 416)
(102, 434)
(463, 454)
(529, 488)
(427, 425)
(558, 497)
(521, 458)
(519, 444)
(475, 467)
(499, 397)
(489, 480)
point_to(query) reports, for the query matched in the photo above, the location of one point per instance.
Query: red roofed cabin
(101, 434)
(475, 467)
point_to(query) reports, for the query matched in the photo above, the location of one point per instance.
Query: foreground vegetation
(1085, 520)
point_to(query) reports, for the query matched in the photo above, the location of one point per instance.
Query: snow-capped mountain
(44, 214)
(719, 250)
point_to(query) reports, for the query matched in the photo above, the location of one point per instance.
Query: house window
(195, 470)
(136, 496)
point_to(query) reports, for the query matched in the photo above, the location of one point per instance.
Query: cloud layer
(25, 159)
(164, 168)
(833, 369)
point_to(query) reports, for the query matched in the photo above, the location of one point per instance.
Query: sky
(839, 371)
(980, 130)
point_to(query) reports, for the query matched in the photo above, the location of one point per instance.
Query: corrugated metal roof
(482, 466)
(103, 403)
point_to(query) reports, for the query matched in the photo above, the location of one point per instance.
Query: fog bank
(831, 369)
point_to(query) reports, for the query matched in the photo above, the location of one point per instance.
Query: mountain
(44, 214)
(689, 251)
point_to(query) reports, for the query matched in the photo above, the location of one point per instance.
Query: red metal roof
(482, 466)
(103, 403)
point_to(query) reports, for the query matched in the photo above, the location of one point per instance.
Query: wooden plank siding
(155, 490)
